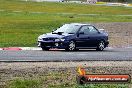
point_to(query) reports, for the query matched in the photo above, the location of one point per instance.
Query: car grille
(47, 44)
(49, 39)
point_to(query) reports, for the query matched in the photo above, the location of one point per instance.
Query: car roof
(80, 24)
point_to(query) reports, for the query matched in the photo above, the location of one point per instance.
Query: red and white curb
(30, 48)
(1, 48)
(21, 48)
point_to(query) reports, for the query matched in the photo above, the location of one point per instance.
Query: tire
(71, 46)
(100, 46)
(45, 49)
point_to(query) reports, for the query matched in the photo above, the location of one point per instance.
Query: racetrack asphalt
(113, 54)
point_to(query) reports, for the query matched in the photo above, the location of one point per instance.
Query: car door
(88, 37)
(94, 36)
(83, 37)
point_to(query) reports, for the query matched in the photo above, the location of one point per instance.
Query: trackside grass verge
(24, 83)
(58, 74)
(54, 7)
(54, 79)
(39, 83)
(22, 22)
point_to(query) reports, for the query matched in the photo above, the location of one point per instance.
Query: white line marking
(30, 48)
(1, 48)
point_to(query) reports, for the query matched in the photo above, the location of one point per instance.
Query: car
(74, 36)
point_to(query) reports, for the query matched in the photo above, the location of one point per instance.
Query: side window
(85, 29)
(92, 30)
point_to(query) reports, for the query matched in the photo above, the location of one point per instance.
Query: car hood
(50, 35)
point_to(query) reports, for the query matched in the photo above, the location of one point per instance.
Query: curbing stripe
(1, 48)
(38, 48)
(30, 48)
(12, 48)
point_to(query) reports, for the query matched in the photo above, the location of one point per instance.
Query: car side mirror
(81, 32)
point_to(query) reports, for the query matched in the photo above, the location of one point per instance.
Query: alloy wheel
(101, 46)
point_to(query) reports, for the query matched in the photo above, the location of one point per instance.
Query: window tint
(68, 28)
(88, 30)
(85, 29)
(92, 30)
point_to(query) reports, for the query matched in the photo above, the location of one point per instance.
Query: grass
(22, 22)
(101, 3)
(56, 80)
(50, 7)
(40, 76)
(18, 83)
(24, 83)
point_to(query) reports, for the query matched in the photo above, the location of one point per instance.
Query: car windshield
(68, 28)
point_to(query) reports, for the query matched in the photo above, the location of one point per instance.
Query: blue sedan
(74, 36)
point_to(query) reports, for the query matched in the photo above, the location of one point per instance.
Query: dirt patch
(64, 71)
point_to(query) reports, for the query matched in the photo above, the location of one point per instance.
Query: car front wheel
(45, 49)
(71, 46)
(100, 46)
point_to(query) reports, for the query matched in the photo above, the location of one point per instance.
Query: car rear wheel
(100, 46)
(71, 46)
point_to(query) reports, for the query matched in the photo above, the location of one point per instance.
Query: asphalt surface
(61, 55)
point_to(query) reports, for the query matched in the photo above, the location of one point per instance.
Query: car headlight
(40, 38)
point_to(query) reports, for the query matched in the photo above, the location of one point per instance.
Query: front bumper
(51, 44)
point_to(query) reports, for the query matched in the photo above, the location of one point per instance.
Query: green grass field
(22, 22)
(56, 80)
(59, 74)
(39, 83)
